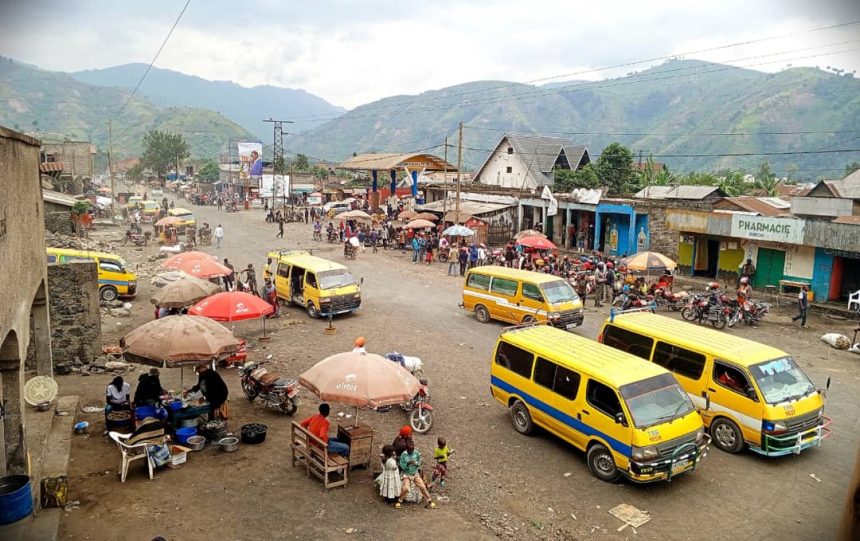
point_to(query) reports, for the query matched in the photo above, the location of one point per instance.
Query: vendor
(214, 391)
(149, 389)
(117, 395)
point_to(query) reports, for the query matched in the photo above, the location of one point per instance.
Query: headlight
(773, 427)
(356, 296)
(554, 315)
(645, 453)
(325, 300)
(700, 433)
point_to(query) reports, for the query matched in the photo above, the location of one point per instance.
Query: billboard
(250, 160)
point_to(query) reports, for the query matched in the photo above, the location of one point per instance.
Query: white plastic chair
(130, 453)
(854, 298)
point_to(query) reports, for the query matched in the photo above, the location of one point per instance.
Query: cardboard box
(178, 454)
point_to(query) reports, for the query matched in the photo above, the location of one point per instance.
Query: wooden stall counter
(360, 441)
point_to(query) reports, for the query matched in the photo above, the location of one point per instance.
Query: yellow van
(518, 296)
(747, 393)
(115, 280)
(185, 215)
(630, 417)
(320, 286)
(134, 201)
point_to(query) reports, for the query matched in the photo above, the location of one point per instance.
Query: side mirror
(827, 384)
(707, 402)
(619, 419)
(752, 394)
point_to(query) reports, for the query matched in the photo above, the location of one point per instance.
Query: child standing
(389, 479)
(441, 454)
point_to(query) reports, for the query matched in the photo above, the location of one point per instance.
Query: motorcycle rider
(745, 293)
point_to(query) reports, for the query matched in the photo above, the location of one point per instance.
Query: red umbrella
(175, 261)
(203, 268)
(231, 306)
(538, 243)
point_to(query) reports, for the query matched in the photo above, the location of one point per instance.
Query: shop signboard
(686, 220)
(787, 230)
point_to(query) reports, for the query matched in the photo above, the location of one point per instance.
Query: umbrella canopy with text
(538, 243)
(232, 306)
(650, 262)
(355, 215)
(169, 220)
(176, 261)
(179, 341)
(361, 380)
(183, 292)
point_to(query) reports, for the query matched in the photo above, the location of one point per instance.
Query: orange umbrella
(426, 216)
(232, 306)
(175, 261)
(168, 220)
(420, 224)
(539, 243)
(203, 268)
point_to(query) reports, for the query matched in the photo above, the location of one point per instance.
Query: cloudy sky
(354, 51)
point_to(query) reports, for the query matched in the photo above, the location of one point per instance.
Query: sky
(352, 52)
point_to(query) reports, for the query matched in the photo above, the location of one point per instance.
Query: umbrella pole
(355, 418)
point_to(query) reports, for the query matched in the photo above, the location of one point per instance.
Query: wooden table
(360, 441)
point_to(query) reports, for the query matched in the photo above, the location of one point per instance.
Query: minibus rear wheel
(482, 313)
(522, 418)
(108, 294)
(726, 435)
(601, 463)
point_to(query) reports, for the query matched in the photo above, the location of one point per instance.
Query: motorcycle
(137, 239)
(332, 236)
(710, 308)
(278, 393)
(349, 250)
(673, 301)
(413, 364)
(317, 235)
(751, 315)
(418, 408)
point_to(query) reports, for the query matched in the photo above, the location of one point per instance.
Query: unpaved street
(501, 483)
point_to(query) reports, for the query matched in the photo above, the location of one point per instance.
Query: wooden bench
(792, 284)
(312, 453)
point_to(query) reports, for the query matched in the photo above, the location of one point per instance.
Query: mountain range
(244, 106)
(689, 114)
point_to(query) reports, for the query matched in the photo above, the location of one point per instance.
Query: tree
(301, 163)
(851, 167)
(584, 177)
(650, 176)
(136, 171)
(615, 169)
(732, 183)
(162, 149)
(209, 171)
(765, 181)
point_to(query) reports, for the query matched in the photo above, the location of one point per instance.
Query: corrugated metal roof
(760, 205)
(58, 198)
(51, 167)
(470, 208)
(676, 192)
(848, 187)
(851, 220)
(539, 153)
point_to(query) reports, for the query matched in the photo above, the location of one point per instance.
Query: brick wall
(75, 317)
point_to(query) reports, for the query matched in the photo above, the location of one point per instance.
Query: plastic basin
(16, 499)
(182, 434)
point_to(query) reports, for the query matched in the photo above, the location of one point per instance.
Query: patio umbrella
(168, 220)
(183, 292)
(458, 231)
(420, 224)
(164, 278)
(204, 268)
(361, 380)
(650, 262)
(406, 215)
(175, 341)
(175, 261)
(538, 243)
(355, 215)
(528, 233)
(232, 306)
(426, 216)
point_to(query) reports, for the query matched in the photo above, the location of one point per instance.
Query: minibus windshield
(655, 400)
(780, 380)
(336, 278)
(559, 291)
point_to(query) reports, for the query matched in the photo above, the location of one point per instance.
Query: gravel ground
(501, 484)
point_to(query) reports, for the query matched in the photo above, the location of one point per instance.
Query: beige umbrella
(426, 216)
(528, 233)
(183, 292)
(361, 380)
(420, 224)
(174, 341)
(355, 215)
(164, 278)
(406, 215)
(650, 262)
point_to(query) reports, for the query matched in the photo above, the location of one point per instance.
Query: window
(731, 378)
(110, 266)
(679, 360)
(284, 271)
(603, 398)
(557, 378)
(52, 259)
(504, 287)
(515, 359)
(509, 169)
(531, 291)
(510, 151)
(631, 342)
(479, 281)
(311, 280)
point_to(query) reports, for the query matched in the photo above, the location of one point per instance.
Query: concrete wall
(75, 317)
(75, 155)
(495, 170)
(22, 286)
(57, 218)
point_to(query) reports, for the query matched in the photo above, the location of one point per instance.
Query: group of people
(402, 477)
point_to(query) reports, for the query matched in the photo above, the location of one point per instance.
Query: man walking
(463, 258)
(452, 259)
(599, 284)
(802, 305)
(219, 236)
(280, 228)
(251, 279)
(416, 246)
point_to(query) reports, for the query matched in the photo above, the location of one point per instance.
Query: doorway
(770, 266)
(707, 257)
(850, 281)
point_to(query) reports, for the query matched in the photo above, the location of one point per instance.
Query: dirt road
(501, 484)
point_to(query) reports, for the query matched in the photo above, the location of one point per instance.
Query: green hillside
(53, 105)
(679, 106)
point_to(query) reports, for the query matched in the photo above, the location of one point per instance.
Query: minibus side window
(504, 286)
(515, 359)
(110, 266)
(732, 379)
(311, 280)
(52, 259)
(603, 398)
(283, 270)
(479, 281)
(679, 360)
(629, 341)
(531, 291)
(558, 379)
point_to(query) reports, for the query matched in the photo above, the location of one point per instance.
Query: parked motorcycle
(752, 314)
(419, 409)
(413, 364)
(276, 392)
(138, 239)
(710, 308)
(673, 301)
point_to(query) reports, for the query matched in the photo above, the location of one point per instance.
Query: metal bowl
(229, 444)
(44, 406)
(196, 443)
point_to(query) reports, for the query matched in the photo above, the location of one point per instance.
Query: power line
(711, 155)
(667, 134)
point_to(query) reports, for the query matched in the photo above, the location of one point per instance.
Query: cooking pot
(195, 443)
(229, 444)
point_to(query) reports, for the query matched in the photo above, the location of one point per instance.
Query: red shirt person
(318, 425)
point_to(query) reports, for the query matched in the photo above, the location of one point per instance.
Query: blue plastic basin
(182, 434)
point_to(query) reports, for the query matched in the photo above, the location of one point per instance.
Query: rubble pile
(55, 240)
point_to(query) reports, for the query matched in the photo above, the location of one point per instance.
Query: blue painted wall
(622, 219)
(821, 271)
(641, 227)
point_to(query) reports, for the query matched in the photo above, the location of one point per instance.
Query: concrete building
(830, 199)
(58, 209)
(528, 162)
(24, 315)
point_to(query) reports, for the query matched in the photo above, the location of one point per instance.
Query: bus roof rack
(652, 307)
(533, 323)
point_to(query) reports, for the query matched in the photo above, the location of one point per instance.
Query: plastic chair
(854, 298)
(130, 453)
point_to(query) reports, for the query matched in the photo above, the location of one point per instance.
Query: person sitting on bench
(318, 425)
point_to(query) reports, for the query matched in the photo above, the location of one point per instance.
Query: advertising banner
(250, 160)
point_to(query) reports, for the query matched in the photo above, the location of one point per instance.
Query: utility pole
(285, 191)
(278, 158)
(459, 169)
(110, 171)
(445, 181)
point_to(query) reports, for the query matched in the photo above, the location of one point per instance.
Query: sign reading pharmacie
(787, 230)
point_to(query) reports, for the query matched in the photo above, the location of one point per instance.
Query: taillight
(600, 337)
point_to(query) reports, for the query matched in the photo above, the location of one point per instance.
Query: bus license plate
(680, 466)
(571, 326)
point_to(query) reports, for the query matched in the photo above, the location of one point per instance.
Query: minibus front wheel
(601, 464)
(108, 294)
(522, 418)
(726, 435)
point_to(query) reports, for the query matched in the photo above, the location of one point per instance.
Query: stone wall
(662, 239)
(58, 218)
(75, 316)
